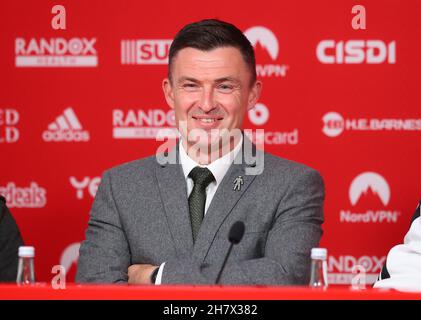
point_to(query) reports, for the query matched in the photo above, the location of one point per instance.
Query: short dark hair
(211, 34)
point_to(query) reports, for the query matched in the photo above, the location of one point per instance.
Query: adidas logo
(67, 128)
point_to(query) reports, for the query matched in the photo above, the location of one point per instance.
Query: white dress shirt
(218, 168)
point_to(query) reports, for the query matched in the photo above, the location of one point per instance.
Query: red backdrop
(343, 101)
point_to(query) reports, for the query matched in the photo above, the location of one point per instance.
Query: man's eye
(225, 87)
(189, 85)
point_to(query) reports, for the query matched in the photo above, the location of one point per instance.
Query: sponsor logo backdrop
(75, 102)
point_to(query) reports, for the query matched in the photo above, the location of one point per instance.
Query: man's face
(210, 90)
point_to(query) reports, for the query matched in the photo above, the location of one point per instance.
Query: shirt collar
(218, 168)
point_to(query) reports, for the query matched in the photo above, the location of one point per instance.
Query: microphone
(235, 235)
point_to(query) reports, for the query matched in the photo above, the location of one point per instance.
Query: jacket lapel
(173, 189)
(221, 206)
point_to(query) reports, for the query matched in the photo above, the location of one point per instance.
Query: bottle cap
(319, 253)
(26, 252)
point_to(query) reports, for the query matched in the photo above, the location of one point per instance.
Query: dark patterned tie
(197, 199)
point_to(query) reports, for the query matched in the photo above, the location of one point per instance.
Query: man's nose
(207, 102)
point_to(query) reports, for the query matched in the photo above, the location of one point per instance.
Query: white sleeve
(404, 262)
(159, 275)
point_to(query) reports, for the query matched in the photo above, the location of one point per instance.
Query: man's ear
(254, 94)
(168, 92)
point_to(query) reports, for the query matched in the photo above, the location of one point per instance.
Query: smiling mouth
(207, 120)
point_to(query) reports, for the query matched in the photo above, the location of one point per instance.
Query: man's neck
(207, 155)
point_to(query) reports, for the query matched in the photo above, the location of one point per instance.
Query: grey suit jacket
(140, 215)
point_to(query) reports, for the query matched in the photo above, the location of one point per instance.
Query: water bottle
(318, 277)
(26, 272)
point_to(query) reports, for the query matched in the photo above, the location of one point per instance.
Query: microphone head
(236, 232)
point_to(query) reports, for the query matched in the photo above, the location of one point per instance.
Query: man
(10, 241)
(158, 222)
(402, 270)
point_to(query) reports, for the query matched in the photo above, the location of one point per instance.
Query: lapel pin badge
(238, 182)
